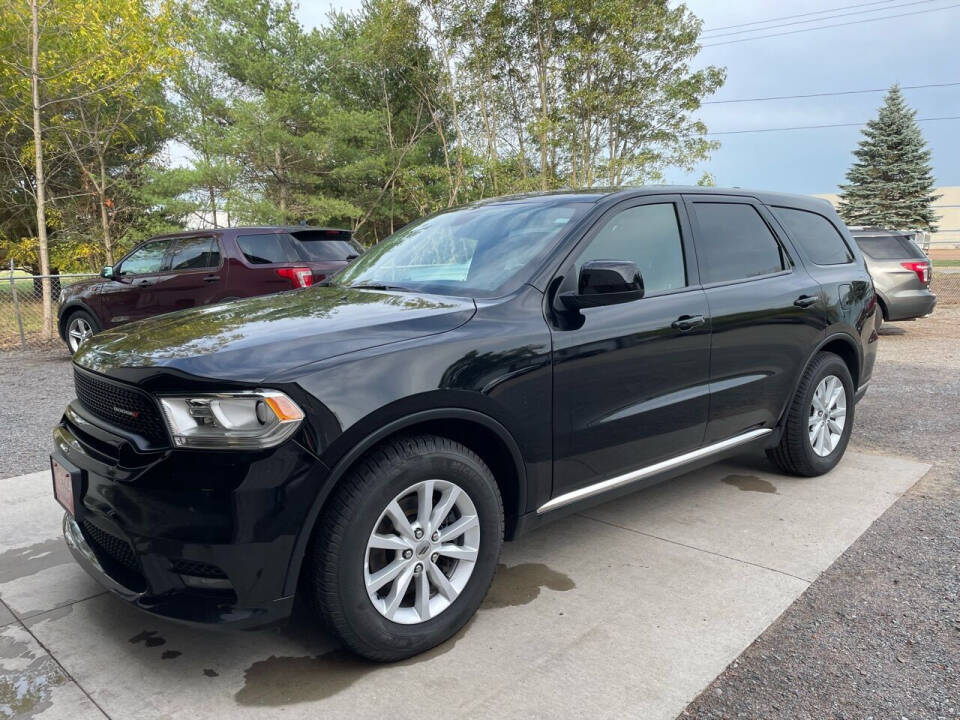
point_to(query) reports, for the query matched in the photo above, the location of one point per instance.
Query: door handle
(687, 322)
(805, 301)
(211, 278)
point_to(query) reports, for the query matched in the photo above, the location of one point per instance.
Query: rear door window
(889, 247)
(145, 259)
(818, 237)
(734, 243)
(267, 249)
(195, 254)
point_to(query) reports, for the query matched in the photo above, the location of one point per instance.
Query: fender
(844, 336)
(345, 462)
(76, 304)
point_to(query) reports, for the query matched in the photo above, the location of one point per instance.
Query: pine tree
(891, 182)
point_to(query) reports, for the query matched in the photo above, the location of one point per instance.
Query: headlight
(245, 420)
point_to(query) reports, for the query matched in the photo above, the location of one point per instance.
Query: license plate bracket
(66, 483)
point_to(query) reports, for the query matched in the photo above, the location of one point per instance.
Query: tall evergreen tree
(891, 182)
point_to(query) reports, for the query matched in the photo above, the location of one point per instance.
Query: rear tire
(81, 325)
(442, 572)
(819, 420)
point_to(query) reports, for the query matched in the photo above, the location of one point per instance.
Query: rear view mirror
(605, 282)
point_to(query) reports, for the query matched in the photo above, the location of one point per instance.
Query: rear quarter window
(818, 237)
(267, 249)
(889, 247)
(734, 243)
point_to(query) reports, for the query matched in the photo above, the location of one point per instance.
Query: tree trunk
(47, 330)
(213, 205)
(104, 215)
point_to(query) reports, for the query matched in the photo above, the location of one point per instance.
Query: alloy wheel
(422, 551)
(828, 415)
(78, 331)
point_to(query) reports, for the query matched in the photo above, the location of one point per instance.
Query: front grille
(115, 548)
(119, 404)
(198, 569)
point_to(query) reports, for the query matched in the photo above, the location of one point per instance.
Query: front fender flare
(357, 450)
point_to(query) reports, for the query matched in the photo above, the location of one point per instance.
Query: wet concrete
(750, 483)
(150, 638)
(280, 681)
(521, 584)
(23, 562)
(27, 679)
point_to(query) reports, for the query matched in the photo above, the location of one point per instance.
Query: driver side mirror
(107, 272)
(605, 282)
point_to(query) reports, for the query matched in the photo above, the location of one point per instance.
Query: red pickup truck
(187, 269)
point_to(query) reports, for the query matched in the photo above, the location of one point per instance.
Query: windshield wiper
(376, 286)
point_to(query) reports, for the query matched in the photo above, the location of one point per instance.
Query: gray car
(901, 273)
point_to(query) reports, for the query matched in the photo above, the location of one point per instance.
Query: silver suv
(901, 273)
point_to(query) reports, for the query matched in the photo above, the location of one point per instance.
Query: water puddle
(750, 483)
(286, 680)
(150, 638)
(26, 679)
(26, 561)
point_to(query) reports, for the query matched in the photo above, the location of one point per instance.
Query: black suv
(370, 443)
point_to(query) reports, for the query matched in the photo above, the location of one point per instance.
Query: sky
(918, 49)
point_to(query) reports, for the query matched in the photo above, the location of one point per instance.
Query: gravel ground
(35, 387)
(876, 636)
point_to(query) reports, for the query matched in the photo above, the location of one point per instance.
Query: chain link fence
(21, 304)
(21, 308)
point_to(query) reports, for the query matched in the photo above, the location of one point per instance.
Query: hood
(249, 340)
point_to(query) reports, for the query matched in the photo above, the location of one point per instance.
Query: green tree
(891, 182)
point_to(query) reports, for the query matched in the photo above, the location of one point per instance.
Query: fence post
(16, 308)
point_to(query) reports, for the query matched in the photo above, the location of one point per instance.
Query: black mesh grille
(113, 547)
(122, 405)
(197, 569)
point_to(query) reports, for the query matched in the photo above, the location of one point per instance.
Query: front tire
(819, 420)
(81, 325)
(407, 547)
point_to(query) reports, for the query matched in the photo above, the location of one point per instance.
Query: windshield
(479, 251)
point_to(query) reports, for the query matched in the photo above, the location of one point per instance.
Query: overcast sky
(913, 50)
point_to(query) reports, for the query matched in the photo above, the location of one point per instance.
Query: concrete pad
(37, 572)
(32, 685)
(6, 617)
(595, 615)
(747, 511)
(608, 603)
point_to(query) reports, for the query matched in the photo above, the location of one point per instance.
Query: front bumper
(195, 536)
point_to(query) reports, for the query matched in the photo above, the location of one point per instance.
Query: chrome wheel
(828, 415)
(77, 331)
(422, 552)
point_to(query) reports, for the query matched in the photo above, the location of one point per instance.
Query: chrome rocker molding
(634, 475)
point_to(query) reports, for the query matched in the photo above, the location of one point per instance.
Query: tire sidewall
(365, 620)
(829, 365)
(80, 315)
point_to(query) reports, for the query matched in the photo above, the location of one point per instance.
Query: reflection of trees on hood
(201, 331)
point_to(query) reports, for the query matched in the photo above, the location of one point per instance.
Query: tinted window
(146, 259)
(889, 247)
(648, 235)
(734, 243)
(327, 245)
(263, 249)
(195, 253)
(815, 234)
(478, 250)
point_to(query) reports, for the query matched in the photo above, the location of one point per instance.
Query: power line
(824, 27)
(819, 19)
(827, 94)
(791, 17)
(817, 127)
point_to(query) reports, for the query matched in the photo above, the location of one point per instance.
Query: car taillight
(299, 277)
(922, 269)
